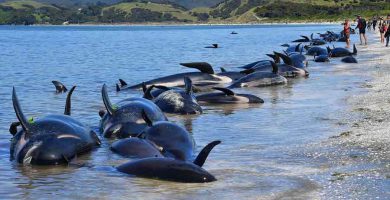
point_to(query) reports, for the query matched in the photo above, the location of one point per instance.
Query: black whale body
(51, 140)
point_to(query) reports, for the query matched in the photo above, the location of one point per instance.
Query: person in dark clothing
(387, 36)
(362, 25)
(374, 21)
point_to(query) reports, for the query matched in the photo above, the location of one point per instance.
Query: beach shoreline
(356, 162)
(319, 23)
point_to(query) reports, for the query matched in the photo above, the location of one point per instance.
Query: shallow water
(254, 159)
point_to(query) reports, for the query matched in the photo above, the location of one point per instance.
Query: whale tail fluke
(68, 103)
(60, 88)
(202, 156)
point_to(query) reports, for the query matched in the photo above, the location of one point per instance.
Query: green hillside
(146, 12)
(244, 11)
(228, 11)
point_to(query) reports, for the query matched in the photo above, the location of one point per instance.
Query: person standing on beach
(387, 36)
(374, 21)
(362, 29)
(369, 25)
(347, 33)
(382, 31)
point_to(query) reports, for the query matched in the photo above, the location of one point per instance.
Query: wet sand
(355, 163)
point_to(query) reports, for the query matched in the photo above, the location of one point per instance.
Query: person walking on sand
(362, 29)
(347, 32)
(374, 21)
(369, 24)
(382, 31)
(387, 36)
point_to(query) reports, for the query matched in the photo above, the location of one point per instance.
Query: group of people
(362, 25)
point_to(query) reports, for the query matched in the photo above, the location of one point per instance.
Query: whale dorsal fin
(306, 38)
(248, 71)
(122, 82)
(202, 156)
(106, 101)
(161, 87)
(286, 59)
(354, 50)
(146, 118)
(215, 45)
(297, 47)
(188, 85)
(223, 69)
(118, 88)
(201, 66)
(276, 58)
(19, 113)
(147, 93)
(275, 67)
(68, 103)
(59, 87)
(227, 91)
(144, 87)
(311, 36)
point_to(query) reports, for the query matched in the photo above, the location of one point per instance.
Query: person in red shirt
(347, 32)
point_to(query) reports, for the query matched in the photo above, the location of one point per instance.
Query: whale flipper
(227, 91)
(201, 66)
(13, 128)
(68, 103)
(60, 88)
(106, 100)
(202, 156)
(19, 113)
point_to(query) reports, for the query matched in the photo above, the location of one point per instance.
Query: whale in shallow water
(179, 101)
(135, 147)
(349, 59)
(227, 96)
(341, 52)
(171, 169)
(206, 76)
(173, 141)
(124, 118)
(260, 79)
(51, 140)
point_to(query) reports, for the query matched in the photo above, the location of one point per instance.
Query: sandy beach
(355, 163)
